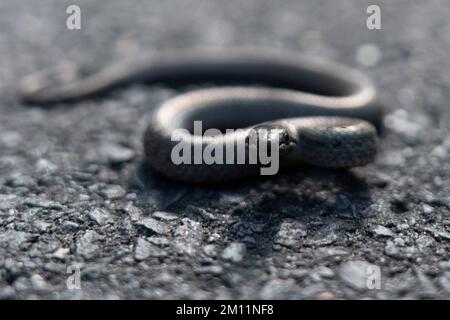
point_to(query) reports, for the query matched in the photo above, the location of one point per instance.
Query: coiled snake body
(326, 113)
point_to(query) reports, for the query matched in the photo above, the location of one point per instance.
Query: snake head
(279, 133)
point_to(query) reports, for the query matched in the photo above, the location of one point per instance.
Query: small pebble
(381, 231)
(61, 253)
(153, 226)
(100, 216)
(116, 153)
(210, 250)
(113, 192)
(70, 226)
(162, 215)
(145, 249)
(290, 233)
(38, 282)
(392, 250)
(214, 270)
(235, 252)
(355, 274)
(87, 245)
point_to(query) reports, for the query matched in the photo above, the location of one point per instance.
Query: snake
(318, 112)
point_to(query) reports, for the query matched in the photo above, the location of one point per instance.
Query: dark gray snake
(325, 114)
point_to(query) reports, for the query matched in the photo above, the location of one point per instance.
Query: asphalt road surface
(73, 195)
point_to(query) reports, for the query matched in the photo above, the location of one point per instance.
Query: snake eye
(276, 132)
